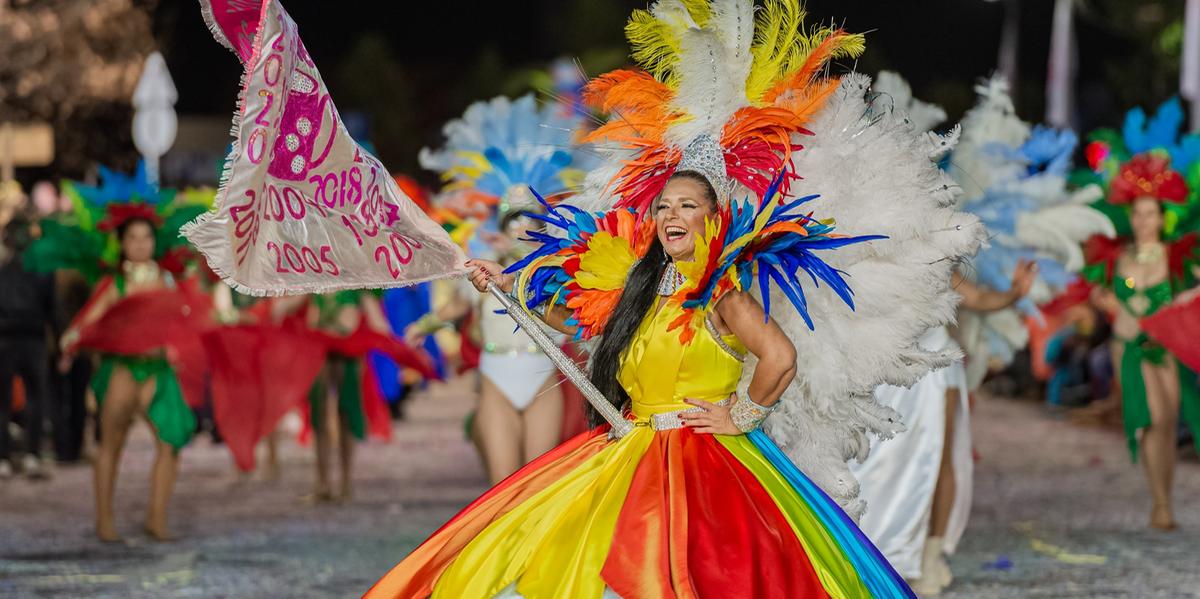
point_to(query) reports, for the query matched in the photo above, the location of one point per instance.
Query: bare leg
(162, 482)
(321, 436)
(498, 430)
(346, 453)
(271, 472)
(116, 415)
(935, 572)
(943, 492)
(541, 422)
(1158, 440)
(162, 474)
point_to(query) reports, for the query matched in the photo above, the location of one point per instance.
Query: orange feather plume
(807, 73)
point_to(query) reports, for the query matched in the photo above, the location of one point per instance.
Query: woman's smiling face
(137, 242)
(1146, 219)
(679, 214)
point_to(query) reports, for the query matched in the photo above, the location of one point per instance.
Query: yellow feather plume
(654, 35)
(782, 49)
(777, 33)
(473, 166)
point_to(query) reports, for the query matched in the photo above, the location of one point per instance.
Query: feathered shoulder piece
(748, 78)
(769, 242)
(1183, 260)
(585, 268)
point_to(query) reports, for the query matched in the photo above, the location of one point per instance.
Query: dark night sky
(941, 46)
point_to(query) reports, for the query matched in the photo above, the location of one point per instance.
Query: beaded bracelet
(748, 415)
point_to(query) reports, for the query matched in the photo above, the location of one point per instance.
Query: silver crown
(704, 155)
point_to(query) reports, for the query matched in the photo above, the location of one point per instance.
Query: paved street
(1065, 507)
(1059, 512)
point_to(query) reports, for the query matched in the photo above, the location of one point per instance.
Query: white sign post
(154, 121)
(1060, 77)
(1189, 72)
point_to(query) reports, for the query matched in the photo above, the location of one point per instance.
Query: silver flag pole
(620, 425)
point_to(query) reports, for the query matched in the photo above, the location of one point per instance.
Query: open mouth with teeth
(675, 232)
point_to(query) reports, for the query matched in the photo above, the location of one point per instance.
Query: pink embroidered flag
(302, 207)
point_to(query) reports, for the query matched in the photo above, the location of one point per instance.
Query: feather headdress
(85, 239)
(1149, 157)
(500, 148)
(712, 74)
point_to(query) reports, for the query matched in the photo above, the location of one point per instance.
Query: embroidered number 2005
(290, 260)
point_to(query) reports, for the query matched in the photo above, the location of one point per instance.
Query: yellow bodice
(658, 372)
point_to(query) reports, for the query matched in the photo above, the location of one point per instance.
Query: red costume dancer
(142, 321)
(1155, 212)
(346, 326)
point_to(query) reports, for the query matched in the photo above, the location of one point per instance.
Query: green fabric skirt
(349, 397)
(1135, 410)
(173, 420)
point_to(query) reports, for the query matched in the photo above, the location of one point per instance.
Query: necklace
(671, 280)
(1148, 254)
(140, 272)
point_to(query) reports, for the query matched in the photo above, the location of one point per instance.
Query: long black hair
(637, 298)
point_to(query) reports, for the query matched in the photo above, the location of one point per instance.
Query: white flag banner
(302, 207)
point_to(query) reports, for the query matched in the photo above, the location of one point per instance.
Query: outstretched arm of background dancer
(981, 299)
(95, 308)
(454, 309)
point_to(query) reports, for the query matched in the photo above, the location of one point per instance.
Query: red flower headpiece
(1147, 175)
(118, 214)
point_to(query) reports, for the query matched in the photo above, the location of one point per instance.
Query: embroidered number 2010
(398, 252)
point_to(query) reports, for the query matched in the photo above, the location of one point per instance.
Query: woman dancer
(127, 385)
(142, 321)
(697, 499)
(345, 403)
(1140, 273)
(492, 157)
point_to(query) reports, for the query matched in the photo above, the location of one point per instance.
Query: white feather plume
(992, 120)
(1015, 179)
(733, 22)
(875, 175)
(922, 115)
(705, 90)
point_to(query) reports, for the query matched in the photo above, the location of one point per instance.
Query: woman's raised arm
(483, 271)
